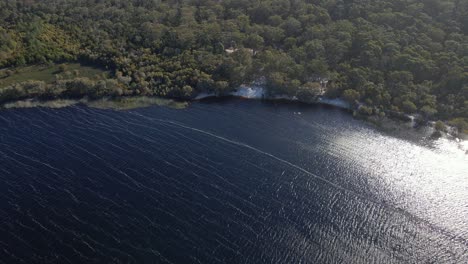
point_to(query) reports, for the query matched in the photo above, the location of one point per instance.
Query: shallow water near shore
(225, 181)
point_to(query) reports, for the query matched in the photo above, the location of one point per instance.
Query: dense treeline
(72, 88)
(390, 55)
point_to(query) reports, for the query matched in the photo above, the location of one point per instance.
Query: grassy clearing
(120, 104)
(128, 103)
(49, 73)
(59, 103)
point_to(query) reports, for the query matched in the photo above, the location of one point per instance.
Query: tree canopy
(391, 55)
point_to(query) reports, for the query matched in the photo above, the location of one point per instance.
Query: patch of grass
(60, 103)
(128, 103)
(49, 73)
(119, 104)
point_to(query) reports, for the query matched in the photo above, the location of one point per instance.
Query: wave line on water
(339, 187)
(237, 143)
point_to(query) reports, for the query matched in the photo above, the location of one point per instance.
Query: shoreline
(259, 93)
(395, 121)
(393, 127)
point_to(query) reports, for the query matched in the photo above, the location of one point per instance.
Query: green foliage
(364, 110)
(460, 123)
(73, 88)
(440, 126)
(309, 92)
(49, 74)
(351, 95)
(389, 55)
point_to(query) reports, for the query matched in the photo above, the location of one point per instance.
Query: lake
(225, 181)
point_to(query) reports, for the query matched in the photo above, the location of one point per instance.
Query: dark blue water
(225, 182)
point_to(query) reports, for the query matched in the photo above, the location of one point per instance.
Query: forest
(385, 56)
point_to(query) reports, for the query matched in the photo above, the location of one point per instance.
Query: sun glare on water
(427, 181)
